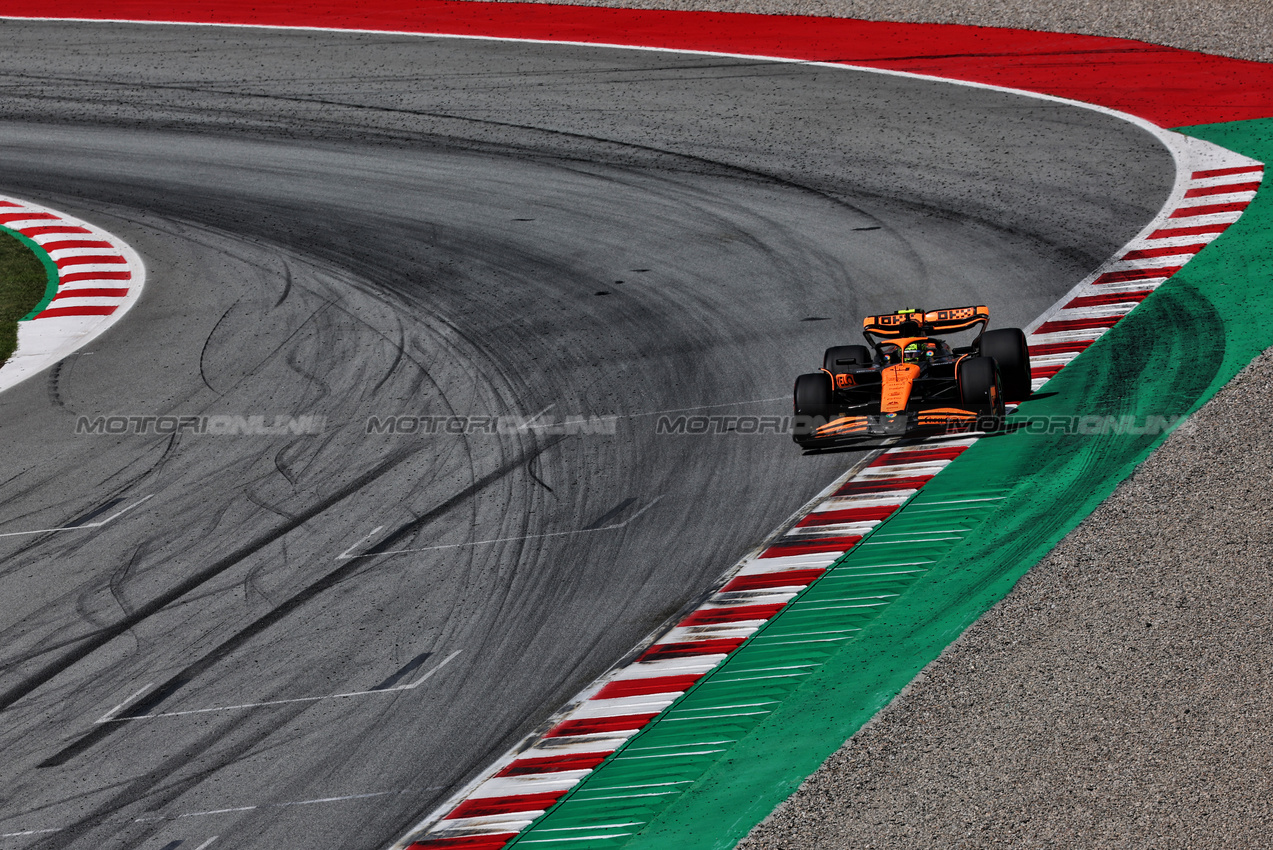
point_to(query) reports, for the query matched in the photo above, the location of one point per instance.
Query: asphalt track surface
(349, 226)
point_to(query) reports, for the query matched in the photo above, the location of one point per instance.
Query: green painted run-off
(730, 750)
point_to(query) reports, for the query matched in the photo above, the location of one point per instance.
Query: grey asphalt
(349, 226)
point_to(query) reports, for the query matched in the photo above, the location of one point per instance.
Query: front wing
(819, 431)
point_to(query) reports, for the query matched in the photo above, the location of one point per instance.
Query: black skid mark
(530, 470)
(261, 624)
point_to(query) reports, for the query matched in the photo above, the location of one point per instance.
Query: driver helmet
(919, 351)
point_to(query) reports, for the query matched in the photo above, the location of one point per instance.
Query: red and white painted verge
(99, 278)
(1212, 188)
(1216, 187)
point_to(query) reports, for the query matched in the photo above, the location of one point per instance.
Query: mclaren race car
(908, 381)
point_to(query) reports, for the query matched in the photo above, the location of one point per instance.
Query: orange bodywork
(896, 391)
(948, 416)
(843, 426)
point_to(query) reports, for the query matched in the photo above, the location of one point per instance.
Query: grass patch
(22, 284)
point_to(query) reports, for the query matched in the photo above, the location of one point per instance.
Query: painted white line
(110, 715)
(436, 668)
(28, 832)
(531, 421)
(109, 519)
(204, 845)
(345, 556)
(343, 799)
(109, 718)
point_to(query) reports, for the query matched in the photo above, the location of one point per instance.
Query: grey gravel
(1121, 695)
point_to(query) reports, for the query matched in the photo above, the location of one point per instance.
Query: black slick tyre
(812, 405)
(979, 387)
(1008, 348)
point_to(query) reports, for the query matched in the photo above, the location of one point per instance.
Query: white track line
(110, 518)
(110, 717)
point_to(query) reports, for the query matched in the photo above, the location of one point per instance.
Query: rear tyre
(1008, 348)
(842, 357)
(812, 405)
(979, 387)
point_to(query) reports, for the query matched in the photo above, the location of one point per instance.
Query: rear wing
(912, 323)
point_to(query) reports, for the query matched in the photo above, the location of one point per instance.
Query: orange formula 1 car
(910, 382)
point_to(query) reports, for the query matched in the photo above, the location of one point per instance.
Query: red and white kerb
(99, 277)
(1220, 186)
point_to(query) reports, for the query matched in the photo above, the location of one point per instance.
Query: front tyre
(812, 405)
(1008, 348)
(979, 387)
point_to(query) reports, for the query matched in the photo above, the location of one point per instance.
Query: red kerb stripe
(883, 485)
(1226, 189)
(918, 456)
(74, 277)
(652, 685)
(57, 228)
(1060, 347)
(716, 646)
(1045, 371)
(75, 243)
(502, 805)
(1208, 209)
(871, 514)
(554, 764)
(1151, 253)
(597, 725)
(1197, 230)
(467, 842)
(1221, 172)
(63, 312)
(811, 546)
(1127, 275)
(26, 216)
(1079, 324)
(91, 292)
(106, 259)
(782, 578)
(1109, 298)
(734, 614)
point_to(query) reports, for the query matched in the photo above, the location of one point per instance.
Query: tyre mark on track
(465, 119)
(93, 642)
(183, 677)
